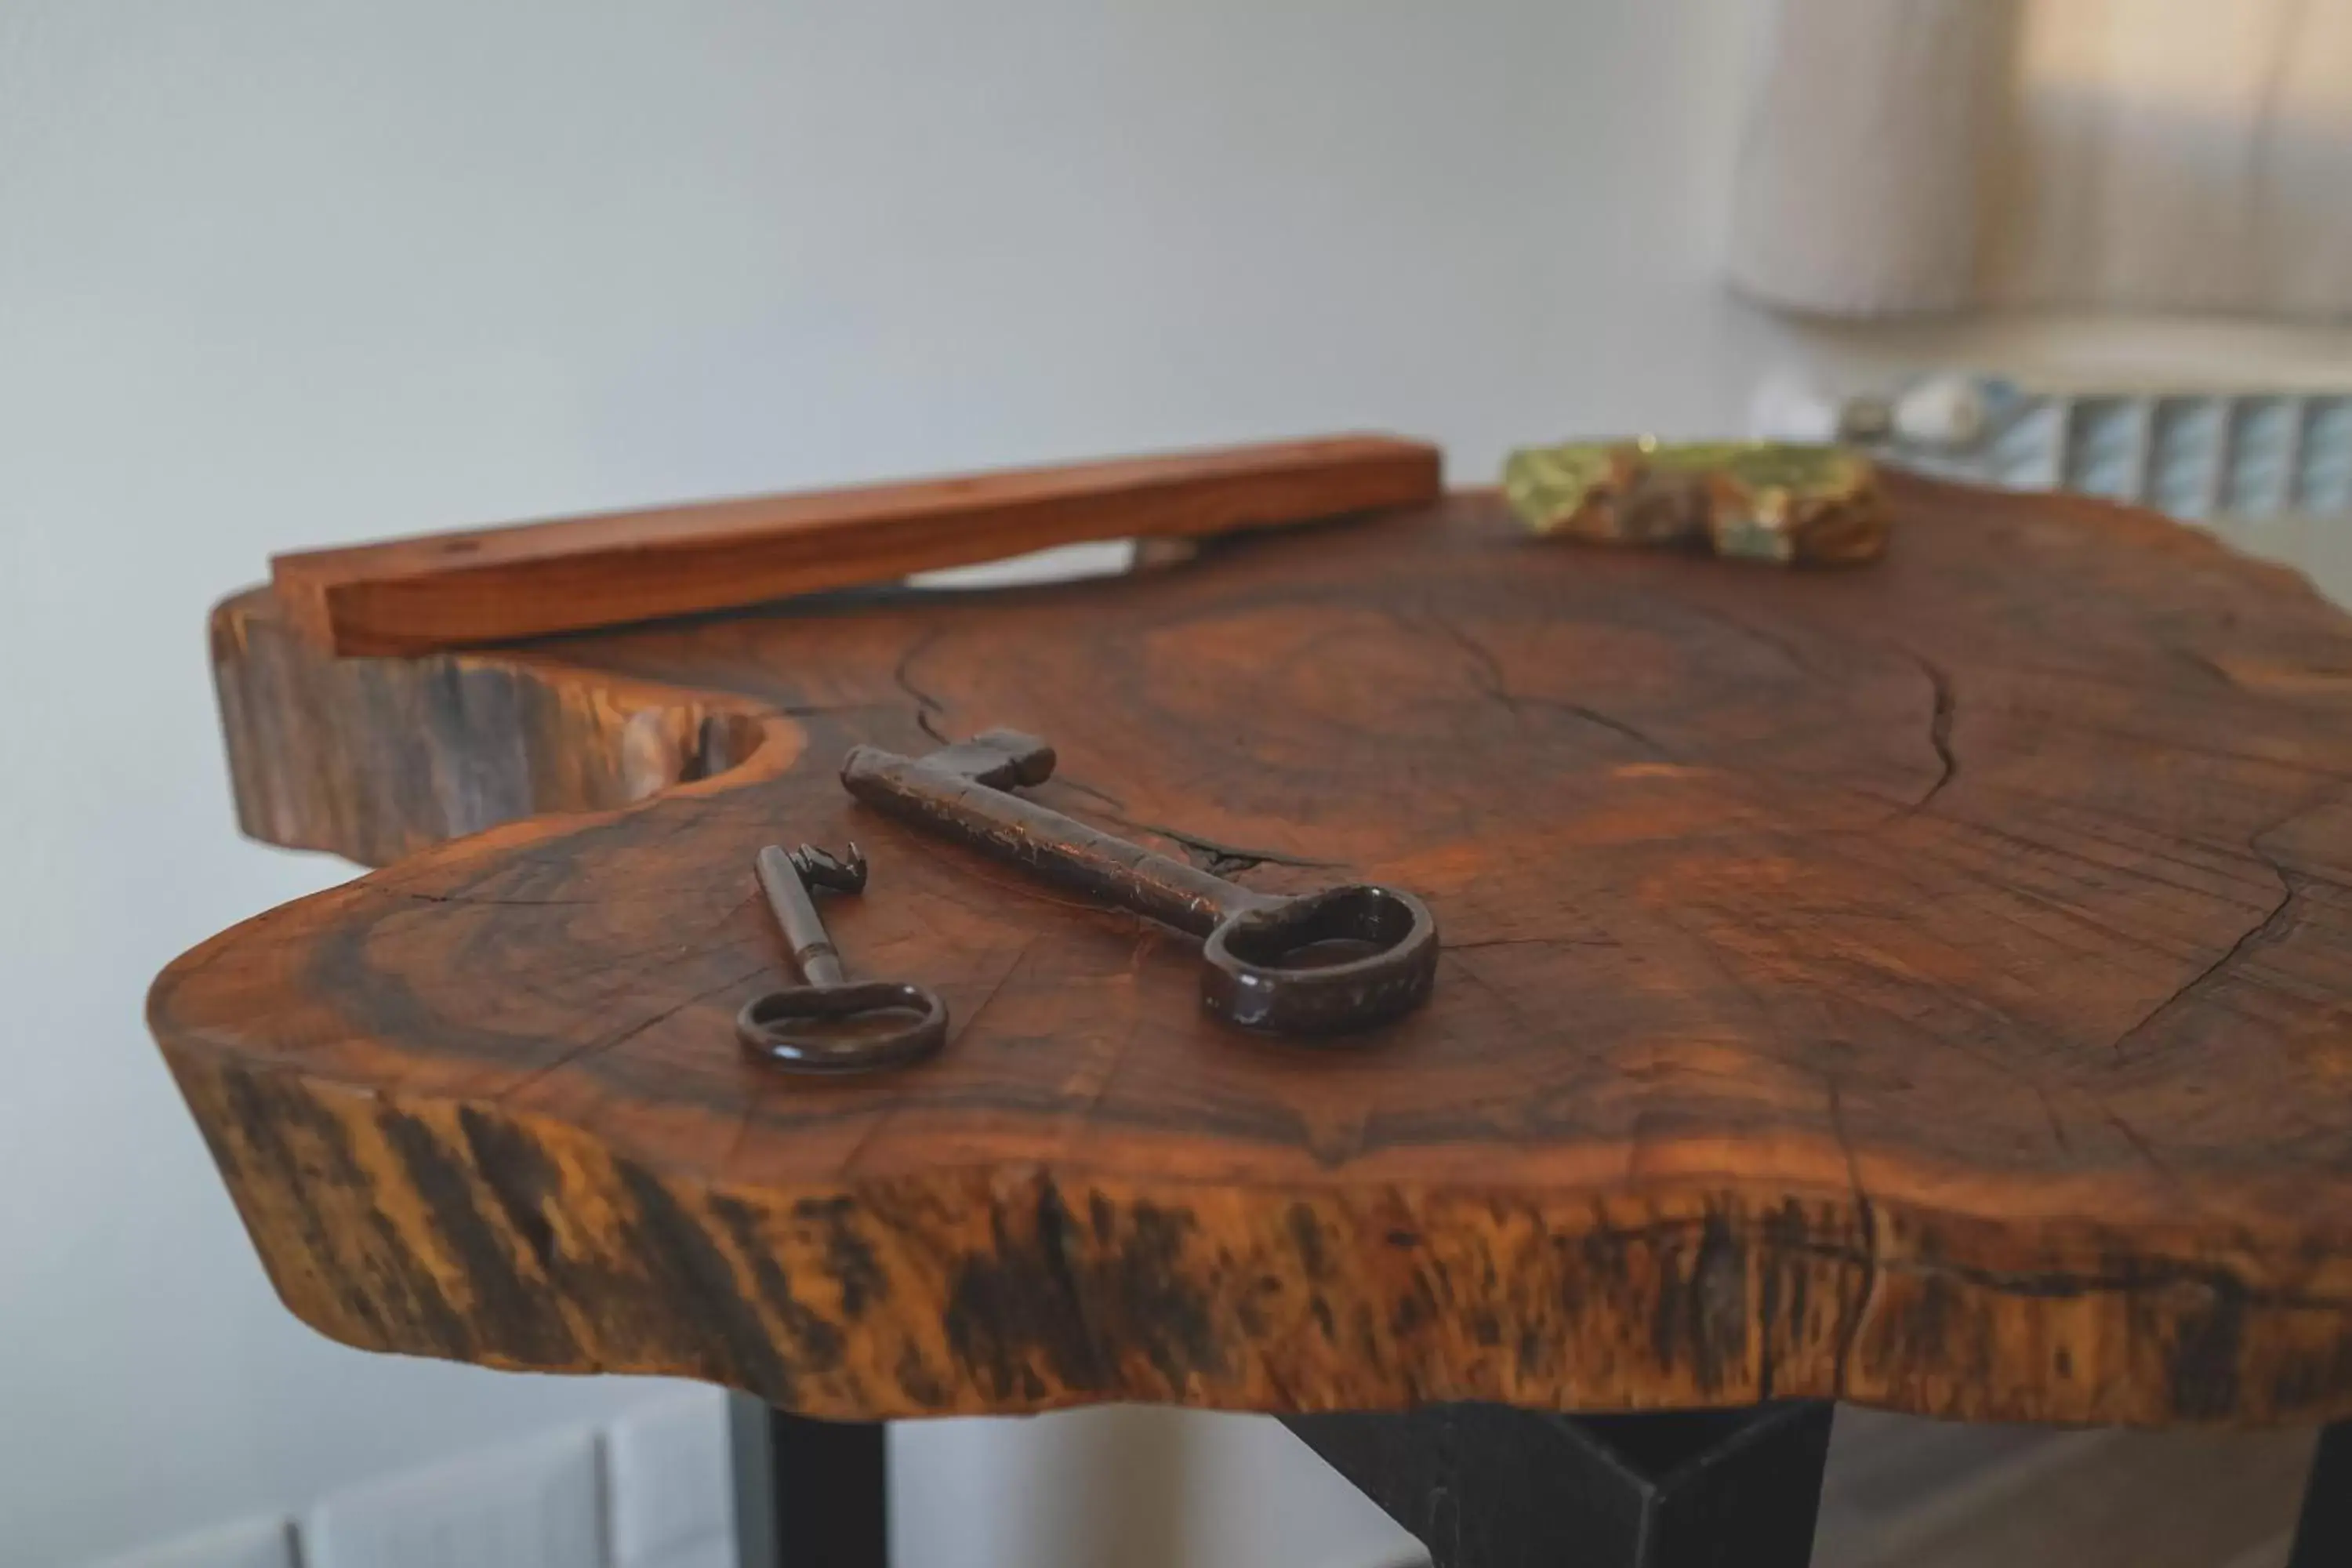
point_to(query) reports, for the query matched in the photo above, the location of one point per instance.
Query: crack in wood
(926, 705)
(1498, 688)
(2050, 1111)
(1516, 699)
(468, 901)
(1783, 645)
(2251, 939)
(2077, 725)
(611, 1042)
(2140, 1145)
(1943, 709)
(1866, 1217)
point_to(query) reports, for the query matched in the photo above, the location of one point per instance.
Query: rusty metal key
(830, 1024)
(1341, 959)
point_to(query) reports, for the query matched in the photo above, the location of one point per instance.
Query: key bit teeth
(1032, 759)
(822, 869)
(1001, 759)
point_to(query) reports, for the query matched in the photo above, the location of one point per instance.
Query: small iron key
(829, 1024)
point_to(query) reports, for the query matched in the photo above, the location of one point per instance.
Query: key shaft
(955, 804)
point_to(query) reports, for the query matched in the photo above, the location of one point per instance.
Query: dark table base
(2323, 1534)
(1486, 1486)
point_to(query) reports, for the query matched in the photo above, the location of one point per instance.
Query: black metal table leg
(2323, 1533)
(1486, 1486)
(810, 1494)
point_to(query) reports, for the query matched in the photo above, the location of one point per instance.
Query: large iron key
(1343, 959)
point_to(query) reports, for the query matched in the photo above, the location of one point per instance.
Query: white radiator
(2269, 469)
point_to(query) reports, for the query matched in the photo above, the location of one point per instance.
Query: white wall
(278, 272)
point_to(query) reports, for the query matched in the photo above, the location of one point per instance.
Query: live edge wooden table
(1927, 985)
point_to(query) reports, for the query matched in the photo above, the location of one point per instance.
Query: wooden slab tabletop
(1928, 985)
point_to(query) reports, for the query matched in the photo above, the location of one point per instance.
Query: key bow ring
(830, 1024)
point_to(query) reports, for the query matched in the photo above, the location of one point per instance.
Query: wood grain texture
(495, 585)
(1929, 986)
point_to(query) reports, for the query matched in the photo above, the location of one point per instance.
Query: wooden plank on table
(493, 584)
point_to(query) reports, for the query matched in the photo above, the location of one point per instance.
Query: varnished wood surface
(497, 584)
(1929, 985)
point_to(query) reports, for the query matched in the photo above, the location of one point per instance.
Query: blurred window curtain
(1906, 156)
